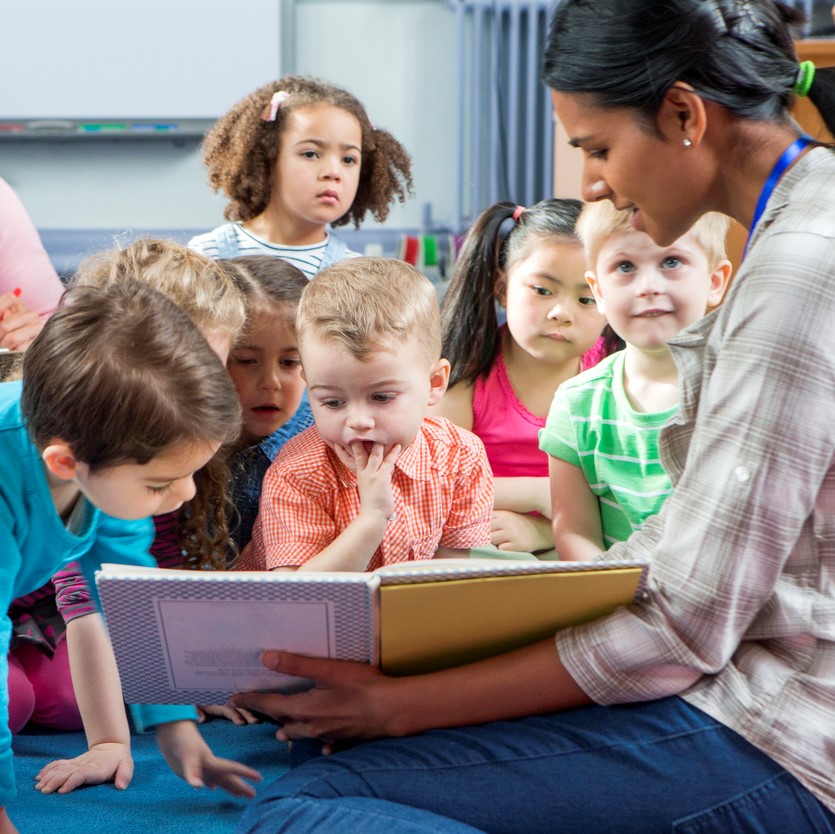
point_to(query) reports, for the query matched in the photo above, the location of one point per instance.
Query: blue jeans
(636, 769)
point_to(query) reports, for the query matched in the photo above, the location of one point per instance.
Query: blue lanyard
(786, 158)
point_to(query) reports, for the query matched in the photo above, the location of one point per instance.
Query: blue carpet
(156, 800)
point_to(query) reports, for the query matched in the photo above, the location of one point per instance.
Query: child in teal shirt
(122, 401)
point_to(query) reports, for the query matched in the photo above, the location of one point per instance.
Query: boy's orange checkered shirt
(443, 497)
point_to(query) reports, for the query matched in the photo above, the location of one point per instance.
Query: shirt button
(742, 474)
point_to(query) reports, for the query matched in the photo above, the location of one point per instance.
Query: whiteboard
(112, 59)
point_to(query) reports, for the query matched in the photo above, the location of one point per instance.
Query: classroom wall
(397, 56)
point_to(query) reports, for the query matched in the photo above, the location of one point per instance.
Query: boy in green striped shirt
(602, 429)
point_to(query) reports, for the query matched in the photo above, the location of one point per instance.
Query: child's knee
(21, 696)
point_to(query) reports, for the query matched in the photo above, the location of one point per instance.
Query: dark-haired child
(504, 376)
(266, 369)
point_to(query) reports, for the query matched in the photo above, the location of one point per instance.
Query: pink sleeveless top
(509, 431)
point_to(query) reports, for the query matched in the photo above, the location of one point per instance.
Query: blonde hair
(216, 305)
(370, 303)
(199, 286)
(601, 219)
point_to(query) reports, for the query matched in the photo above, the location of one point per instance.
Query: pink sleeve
(72, 594)
(24, 263)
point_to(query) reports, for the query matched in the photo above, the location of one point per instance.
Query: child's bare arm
(6, 825)
(452, 553)
(99, 694)
(523, 495)
(353, 548)
(456, 405)
(575, 513)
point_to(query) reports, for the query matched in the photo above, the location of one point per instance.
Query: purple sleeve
(166, 548)
(72, 594)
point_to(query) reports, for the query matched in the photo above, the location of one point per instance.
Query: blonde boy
(603, 425)
(374, 481)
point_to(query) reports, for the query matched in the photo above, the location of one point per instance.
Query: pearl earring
(688, 143)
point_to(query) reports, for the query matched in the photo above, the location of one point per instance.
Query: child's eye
(332, 404)
(587, 301)
(160, 490)
(242, 360)
(671, 263)
(290, 363)
(543, 291)
(310, 154)
(625, 267)
(599, 153)
(383, 398)
(350, 160)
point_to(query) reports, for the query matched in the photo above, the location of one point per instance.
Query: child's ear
(500, 288)
(438, 381)
(60, 460)
(719, 282)
(594, 285)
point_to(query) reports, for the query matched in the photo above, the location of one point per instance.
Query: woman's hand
(105, 762)
(348, 700)
(355, 701)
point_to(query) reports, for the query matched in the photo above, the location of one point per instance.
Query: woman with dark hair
(707, 705)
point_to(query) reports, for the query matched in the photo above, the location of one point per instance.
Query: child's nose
(331, 167)
(560, 311)
(360, 419)
(650, 282)
(183, 490)
(269, 381)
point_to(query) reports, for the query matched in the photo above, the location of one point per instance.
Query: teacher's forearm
(528, 681)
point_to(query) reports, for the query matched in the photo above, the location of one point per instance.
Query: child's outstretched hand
(374, 469)
(191, 759)
(105, 762)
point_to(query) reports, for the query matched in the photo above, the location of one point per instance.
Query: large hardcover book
(183, 636)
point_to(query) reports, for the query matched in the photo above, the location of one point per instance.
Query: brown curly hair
(241, 149)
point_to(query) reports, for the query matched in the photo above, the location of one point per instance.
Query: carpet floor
(156, 801)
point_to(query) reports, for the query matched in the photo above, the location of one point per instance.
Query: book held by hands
(183, 636)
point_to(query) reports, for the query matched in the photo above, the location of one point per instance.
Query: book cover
(431, 625)
(184, 636)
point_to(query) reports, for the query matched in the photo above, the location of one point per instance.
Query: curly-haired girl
(294, 157)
